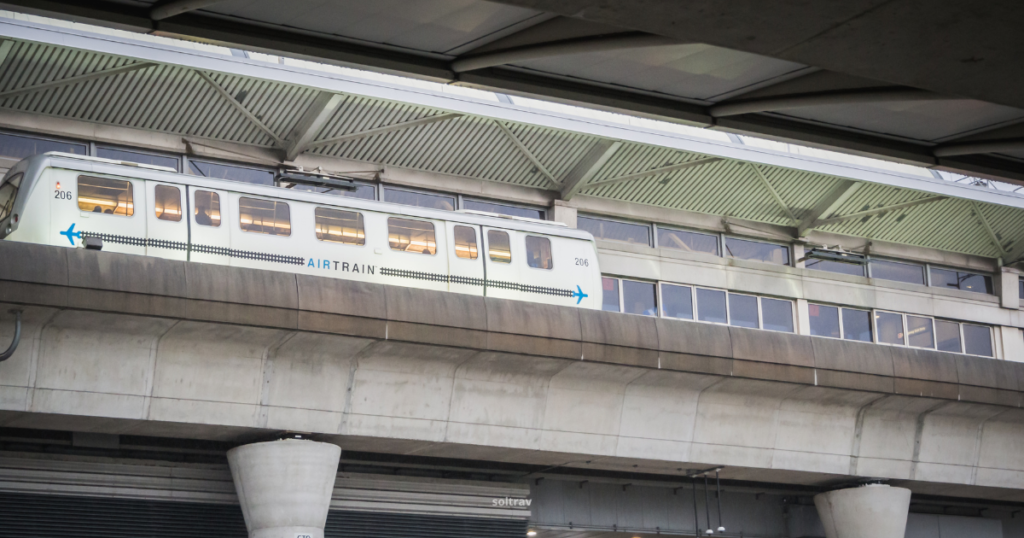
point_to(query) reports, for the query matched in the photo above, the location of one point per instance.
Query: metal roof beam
(527, 153)
(774, 193)
(655, 171)
(381, 130)
(562, 47)
(74, 80)
(834, 97)
(988, 229)
(877, 210)
(585, 170)
(238, 106)
(983, 146)
(310, 123)
(164, 10)
(827, 204)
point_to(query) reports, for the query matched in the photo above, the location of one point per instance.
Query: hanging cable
(696, 518)
(17, 337)
(707, 506)
(718, 495)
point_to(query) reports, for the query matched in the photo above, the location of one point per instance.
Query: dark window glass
(477, 205)
(420, 199)
(231, 173)
(835, 267)
(108, 196)
(538, 252)
(977, 340)
(168, 203)
(756, 251)
(856, 325)
(677, 301)
(264, 216)
(743, 310)
(639, 298)
(615, 231)
(8, 191)
(919, 332)
(824, 320)
(711, 306)
(498, 247)
(207, 208)
(776, 315)
(900, 272)
(1020, 287)
(19, 147)
(610, 292)
(137, 157)
(688, 241)
(339, 226)
(465, 242)
(363, 192)
(890, 328)
(947, 334)
(959, 280)
(411, 236)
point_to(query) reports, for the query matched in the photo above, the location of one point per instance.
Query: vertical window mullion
(760, 314)
(622, 298)
(654, 235)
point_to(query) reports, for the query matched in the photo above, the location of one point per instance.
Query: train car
(73, 201)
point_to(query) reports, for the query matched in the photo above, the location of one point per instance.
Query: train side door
(211, 225)
(465, 260)
(111, 208)
(166, 226)
(502, 263)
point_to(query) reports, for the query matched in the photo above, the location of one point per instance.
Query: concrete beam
(309, 125)
(386, 129)
(655, 171)
(829, 98)
(588, 167)
(1008, 145)
(563, 47)
(835, 197)
(164, 10)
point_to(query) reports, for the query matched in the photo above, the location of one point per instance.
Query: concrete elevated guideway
(130, 345)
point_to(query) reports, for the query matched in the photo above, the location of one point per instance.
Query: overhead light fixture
(839, 256)
(531, 532)
(313, 179)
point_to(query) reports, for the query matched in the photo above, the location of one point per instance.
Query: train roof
(98, 165)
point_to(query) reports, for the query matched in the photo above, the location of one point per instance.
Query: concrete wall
(125, 344)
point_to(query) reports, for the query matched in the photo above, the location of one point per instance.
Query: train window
(264, 216)
(498, 247)
(339, 226)
(465, 242)
(103, 195)
(7, 193)
(167, 203)
(538, 252)
(411, 236)
(207, 208)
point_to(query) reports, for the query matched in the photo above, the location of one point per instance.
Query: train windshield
(8, 191)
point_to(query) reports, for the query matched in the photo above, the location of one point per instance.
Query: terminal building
(792, 341)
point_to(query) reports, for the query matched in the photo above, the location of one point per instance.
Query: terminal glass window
(538, 252)
(610, 294)
(890, 328)
(856, 325)
(743, 311)
(677, 301)
(900, 272)
(711, 306)
(498, 247)
(960, 280)
(207, 208)
(639, 298)
(137, 157)
(824, 320)
(615, 231)
(19, 147)
(688, 241)
(264, 216)
(776, 315)
(977, 340)
(232, 173)
(947, 336)
(411, 236)
(167, 203)
(104, 195)
(465, 242)
(339, 226)
(362, 191)
(835, 322)
(757, 251)
(835, 267)
(920, 332)
(502, 209)
(420, 199)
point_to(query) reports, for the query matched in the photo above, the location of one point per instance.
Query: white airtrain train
(71, 201)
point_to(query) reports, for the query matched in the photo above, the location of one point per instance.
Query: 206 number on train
(583, 262)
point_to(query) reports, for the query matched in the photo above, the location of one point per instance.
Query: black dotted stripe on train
(454, 279)
(203, 249)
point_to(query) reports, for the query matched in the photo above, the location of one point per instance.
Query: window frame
(382, 197)
(251, 197)
(405, 217)
(990, 276)
(181, 206)
(622, 296)
(551, 250)
(78, 192)
(463, 199)
(787, 246)
(476, 242)
(237, 164)
(195, 206)
(362, 221)
(24, 134)
(927, 276)
(96, 147)
(719, 243)
(648, 225)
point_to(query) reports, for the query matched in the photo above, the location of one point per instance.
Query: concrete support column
(1009, 295)
(873, 511)
(562, 212)
(285, 486)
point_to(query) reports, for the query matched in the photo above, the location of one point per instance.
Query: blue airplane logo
(579, 294)
(72, 234)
